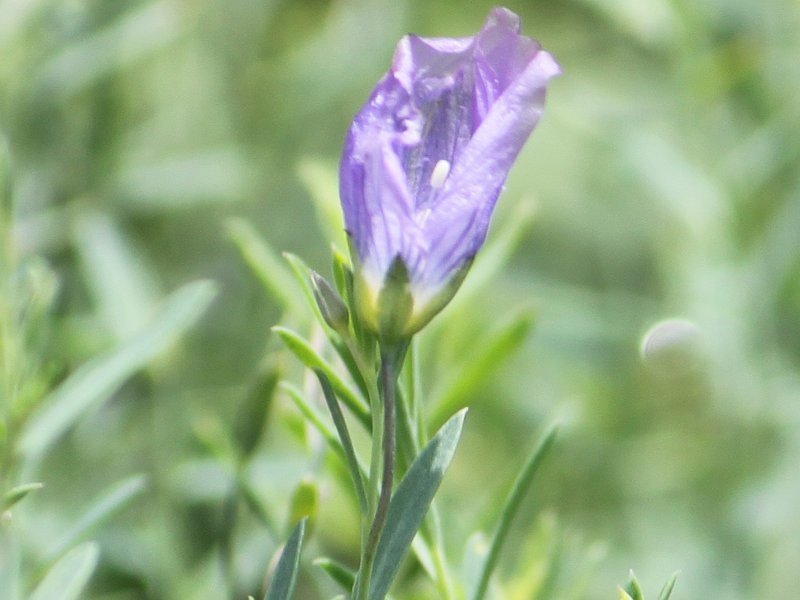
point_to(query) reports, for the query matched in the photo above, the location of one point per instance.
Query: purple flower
(425, 160)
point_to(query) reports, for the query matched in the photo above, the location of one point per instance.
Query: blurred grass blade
(303, 350)
(17, 493)
(109, 502)
(494, 255)
(142, 31)
(267, 266)
(490, 354)
(322, 182)
(344, 438)
(285, 577)
(342, 575)
(410, 504)
(512, 504)
(317, 420)
(123, 289)
(67, 579)
(252, 413)
(666, 591)
(96, 381)
(302, 273)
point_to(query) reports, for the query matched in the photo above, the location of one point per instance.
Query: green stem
(385, 445)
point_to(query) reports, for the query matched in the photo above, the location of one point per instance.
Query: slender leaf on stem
(410, 504)
(302, 348)
(666, 591)
(267, 266)
(512, 504)
(67, 578)
(96, 381)
(342, 575)
(283, 581)
(344, 437)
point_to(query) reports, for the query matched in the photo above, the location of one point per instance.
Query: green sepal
(423, 315)
(395, 303)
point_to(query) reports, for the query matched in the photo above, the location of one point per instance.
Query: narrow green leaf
(17, 493)
(342, 575)
(410, 504)
(666, 591)
(109, 502)
(267, 266)
(344, 438)
(491, 353)
(512, 504)
(283, 581)
(67, 578)
(95, 382)
(303, 350)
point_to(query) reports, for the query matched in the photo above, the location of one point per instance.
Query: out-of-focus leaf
(494, 349)
(124, 290)
(304, 504)
(283, 581)
(96, 381)
(67, 578)
(142, 31)
(211, 176)
(632, 591)
(302, 273)
(303, 350)
(322, 181)
(17, 493)
(108, 503)
(251, 418)
(342, 575)
(268, 266)
(494, 256)
(666, 591)
(410, 503)
(510, 508)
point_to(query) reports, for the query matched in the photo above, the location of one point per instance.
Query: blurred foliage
(666, 186)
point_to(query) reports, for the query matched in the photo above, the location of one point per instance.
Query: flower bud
(330, 304)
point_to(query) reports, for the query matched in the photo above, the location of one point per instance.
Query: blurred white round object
(673, 347)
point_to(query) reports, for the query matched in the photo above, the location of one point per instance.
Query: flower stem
(387, 442)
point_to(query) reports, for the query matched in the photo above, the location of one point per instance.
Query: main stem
(388, 378)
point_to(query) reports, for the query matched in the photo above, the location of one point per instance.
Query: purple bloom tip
(427, 156)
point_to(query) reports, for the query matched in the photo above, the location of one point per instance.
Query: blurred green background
(662, 183)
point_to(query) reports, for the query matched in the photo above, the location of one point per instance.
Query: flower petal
(470, 192)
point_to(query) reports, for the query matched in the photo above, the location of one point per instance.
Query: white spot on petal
(439, 174)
